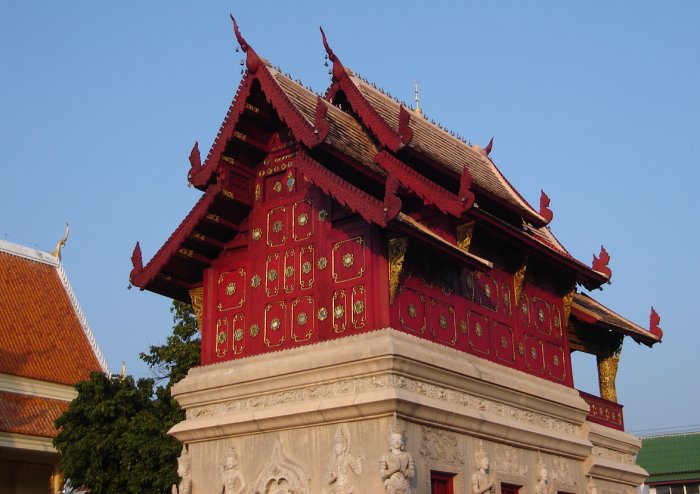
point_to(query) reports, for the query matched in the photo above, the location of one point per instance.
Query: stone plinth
(318, 419)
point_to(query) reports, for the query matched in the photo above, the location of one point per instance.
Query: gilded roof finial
(122, 374)
(57, 251)
(415, 91)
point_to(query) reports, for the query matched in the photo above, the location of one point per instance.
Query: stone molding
(22, 441)
(35, 387)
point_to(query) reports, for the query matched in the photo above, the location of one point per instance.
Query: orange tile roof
(30, 415)
(41, 334)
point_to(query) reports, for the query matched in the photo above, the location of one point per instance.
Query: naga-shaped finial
(545, 212)
(57, 251)
(195, 161)
(136, 261)
(600, 262)
(252, 58)
(338, 69)
(654, 320)
(489, 147)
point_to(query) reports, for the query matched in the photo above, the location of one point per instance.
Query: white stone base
(281, 412)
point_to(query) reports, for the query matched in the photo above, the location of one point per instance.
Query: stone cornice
(34, 387)
(21, 441)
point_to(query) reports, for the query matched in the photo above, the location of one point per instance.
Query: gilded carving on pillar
(196, 295)
(607, 372)
(397, 253)
(568, 300)
(464, 235)
(519, 280)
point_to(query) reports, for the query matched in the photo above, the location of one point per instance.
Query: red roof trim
(141, 276)
(370, 117)
(429, 191)
(356, 200)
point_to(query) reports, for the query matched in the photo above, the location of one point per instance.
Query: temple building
(46, 346)
(381, 310)
(673, 463)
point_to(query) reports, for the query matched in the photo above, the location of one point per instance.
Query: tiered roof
(401, 155)
(671, 459)
(44, 337)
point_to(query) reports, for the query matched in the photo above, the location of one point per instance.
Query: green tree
(113, 437)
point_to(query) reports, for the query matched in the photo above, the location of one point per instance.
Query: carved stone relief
(365, 384)
(612, 454)
(343, 466)
(396, 467)
(231, 479)
(542, 485)
(506, 461)
(281, 475)
(483, 482)
(591, 487)
(183, 471)
(441, 446)
(563, 472)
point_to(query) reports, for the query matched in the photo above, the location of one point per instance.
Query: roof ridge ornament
(61, 243)
(339, 70)
(417, 109)
(195, 162)
(600, 263)
(545, 212)
(489, 147)
(252, 58)
(136, 261)
(654, 320)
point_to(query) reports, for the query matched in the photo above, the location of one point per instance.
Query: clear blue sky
(597, 103)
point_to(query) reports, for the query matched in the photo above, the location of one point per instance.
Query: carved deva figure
(396, 467)
(183, 470)
(482, 480)
(542, 486)
(341, 465)
(231, 479)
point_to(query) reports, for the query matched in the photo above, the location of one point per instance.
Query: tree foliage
(113, 437)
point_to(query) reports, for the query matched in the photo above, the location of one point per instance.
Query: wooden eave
(431, 143)
(197, 241)
(548, 250)
(416, 230)
(590, 311)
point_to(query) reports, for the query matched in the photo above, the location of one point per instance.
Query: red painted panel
(277, 226)
(411, 310)
(358, 300)
(443, 324)
(487, 290)
(223, 337)
(303, 319)
(276, 328)
(534, 354)
(503, 341)
(302, 220)
(541, 315)
(289, 270)
(348, 259)
(230, 290)
(555, 362)
(273, 266)
(307, 265)
(479, 335)
(340, 311)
